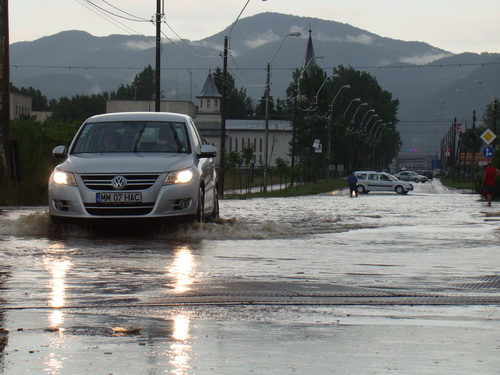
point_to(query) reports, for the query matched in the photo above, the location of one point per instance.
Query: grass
(457, 183)
(311, 188)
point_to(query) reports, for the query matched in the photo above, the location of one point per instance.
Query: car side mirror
(59, 152)
(207, 151)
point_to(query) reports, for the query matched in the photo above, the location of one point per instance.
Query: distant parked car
(135, 166)
(428, 174)
(411, 176)
(380, 181)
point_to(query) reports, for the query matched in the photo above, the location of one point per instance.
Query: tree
(78, 107)
(39, 101)
(322, 103)
(238, 105)
(142, 87)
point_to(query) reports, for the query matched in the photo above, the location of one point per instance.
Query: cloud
(424, 59)
(361, 38)
(261, 39)
(139, 45)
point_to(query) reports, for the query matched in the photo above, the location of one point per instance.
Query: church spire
(309, 60)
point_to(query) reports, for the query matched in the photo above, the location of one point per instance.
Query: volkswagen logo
(119, 182)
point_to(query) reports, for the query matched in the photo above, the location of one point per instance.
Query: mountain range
(421, 76)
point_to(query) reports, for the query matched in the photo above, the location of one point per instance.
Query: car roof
(139, 116)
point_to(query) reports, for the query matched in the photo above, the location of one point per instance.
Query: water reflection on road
(75, 283)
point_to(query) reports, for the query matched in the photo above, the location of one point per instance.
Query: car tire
(215, 212)
(361, 189)
(416, 180)
(399, 189)
(200, 212)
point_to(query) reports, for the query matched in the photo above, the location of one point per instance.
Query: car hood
(127, 163)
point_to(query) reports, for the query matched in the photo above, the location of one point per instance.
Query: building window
(236, 144)
(230, 144)
(208, 103)
(260, 144)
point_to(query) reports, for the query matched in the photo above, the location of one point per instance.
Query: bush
(35, 142)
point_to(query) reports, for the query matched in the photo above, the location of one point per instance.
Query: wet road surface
(378, 284)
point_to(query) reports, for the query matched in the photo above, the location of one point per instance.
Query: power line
(107, 18)
(135, 19)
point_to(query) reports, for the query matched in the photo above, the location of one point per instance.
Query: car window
(132, 136)
(373, 177)
(361, 176)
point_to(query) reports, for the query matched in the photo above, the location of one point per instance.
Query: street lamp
(268, 84)
(364, 128)
(330, 109)
(354, 115)
(473, 133)
(494, 108)
(224, 101)
(352, 101)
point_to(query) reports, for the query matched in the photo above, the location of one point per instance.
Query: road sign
(488, 152)
(488, 136)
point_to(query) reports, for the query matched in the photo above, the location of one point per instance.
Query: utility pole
(223, 151)
(4, 88)
(158, 56)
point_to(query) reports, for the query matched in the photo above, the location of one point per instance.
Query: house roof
(209, 89)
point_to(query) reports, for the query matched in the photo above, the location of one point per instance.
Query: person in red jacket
(489, 175)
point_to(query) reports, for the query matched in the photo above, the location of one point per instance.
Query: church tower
(309, 60)
(208, 116)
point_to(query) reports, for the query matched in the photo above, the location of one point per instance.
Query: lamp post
(225, 54)
(295, 105)
(349, 106)
(268, 84)
(158, 56)
(330, 109)
(354, 115)
(473, 133)
(364, 128)
(494, 108)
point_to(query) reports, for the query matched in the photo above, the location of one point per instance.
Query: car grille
(119, 210)
(102, 182)
(135, 182)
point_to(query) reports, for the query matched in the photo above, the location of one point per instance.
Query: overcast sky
(453, 25)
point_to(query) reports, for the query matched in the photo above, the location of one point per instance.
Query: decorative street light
(353, 116)
(268, 84)
(330, 109)
(224, 100)
(494, 107)
(349, 106)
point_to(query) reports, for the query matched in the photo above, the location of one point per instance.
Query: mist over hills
(416, 73)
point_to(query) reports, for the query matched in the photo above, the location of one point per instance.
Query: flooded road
(382, 283)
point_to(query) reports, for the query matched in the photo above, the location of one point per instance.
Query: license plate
(118, 197)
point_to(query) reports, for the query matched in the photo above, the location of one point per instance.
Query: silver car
(380, 181)
(411, 176)
(136, 165)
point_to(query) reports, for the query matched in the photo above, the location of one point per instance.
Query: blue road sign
(488, 152)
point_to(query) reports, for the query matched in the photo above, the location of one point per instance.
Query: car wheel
(215, 212)
(200, 212)
(361, 189)
(416, 180)
(399, 189)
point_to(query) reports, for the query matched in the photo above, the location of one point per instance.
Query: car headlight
(179, 177)
(63, 178)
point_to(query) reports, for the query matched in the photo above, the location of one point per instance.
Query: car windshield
(132, 136)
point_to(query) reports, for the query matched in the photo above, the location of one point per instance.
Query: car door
(373, 182)
(385, 182)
